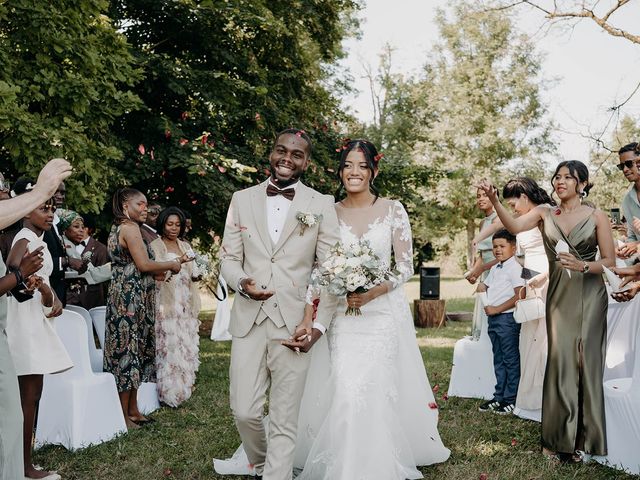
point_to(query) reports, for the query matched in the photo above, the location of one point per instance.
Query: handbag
(528, 308)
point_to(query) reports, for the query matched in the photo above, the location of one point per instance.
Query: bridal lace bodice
(386, 226)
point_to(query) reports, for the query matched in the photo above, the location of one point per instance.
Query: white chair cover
(148, 398)
(220, 328)
(78, 407)
(622, 387)
(472, 374)
(95, 354)
(98, 316)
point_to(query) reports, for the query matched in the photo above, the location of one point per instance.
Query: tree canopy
(66, 77)
(221, 77)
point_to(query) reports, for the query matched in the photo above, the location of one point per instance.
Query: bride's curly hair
(371, 156)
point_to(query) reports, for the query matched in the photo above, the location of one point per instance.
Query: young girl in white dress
(34, 344)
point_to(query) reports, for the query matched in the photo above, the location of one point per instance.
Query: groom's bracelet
(240, 290)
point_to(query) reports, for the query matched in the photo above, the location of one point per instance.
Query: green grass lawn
(183, 441)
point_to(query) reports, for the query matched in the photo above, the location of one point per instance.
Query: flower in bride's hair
(378, 157)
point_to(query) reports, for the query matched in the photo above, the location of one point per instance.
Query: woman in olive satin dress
(573, 401)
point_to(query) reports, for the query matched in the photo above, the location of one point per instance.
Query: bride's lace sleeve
(313, 290)
(402, 246)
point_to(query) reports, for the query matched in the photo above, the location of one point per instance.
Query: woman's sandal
(142, 421)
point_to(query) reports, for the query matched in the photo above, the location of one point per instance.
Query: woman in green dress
(573, 420)
(130, 347)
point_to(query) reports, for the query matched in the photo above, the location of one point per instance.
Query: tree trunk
(429, 313)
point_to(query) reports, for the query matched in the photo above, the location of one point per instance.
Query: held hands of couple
(303, 338)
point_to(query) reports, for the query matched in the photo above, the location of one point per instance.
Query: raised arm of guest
(50, 177)
(515, 225)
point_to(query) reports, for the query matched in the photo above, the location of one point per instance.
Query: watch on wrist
(240, 289)
(585, 267)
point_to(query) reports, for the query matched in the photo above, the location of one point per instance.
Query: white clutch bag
(528, 309)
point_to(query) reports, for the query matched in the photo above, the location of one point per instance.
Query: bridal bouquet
(353, 268)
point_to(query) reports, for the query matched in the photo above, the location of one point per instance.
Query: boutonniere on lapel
(307, 220)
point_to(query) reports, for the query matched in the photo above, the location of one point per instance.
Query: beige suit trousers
(258, 360)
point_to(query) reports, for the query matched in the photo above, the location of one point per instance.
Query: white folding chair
(95, 354)
(98, 315)
(78, 407)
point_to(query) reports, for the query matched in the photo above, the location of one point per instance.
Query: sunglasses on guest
(627, 163)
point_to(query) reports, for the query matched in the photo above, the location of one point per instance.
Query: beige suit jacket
(285, 268)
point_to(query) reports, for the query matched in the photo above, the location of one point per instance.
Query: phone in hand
(615, 216)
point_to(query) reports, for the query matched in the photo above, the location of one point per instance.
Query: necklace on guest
(560, 209)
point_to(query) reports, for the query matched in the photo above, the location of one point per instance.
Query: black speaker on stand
(429, 283)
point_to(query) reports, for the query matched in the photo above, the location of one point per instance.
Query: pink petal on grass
(433, 405)
(483, 476)
(169, 189)
(183, 141)
(514, 442)
(141, 149)
(436, 387)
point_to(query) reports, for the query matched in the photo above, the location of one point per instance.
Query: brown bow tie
(287, 193)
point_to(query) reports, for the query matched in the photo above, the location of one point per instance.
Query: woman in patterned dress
(129, 352)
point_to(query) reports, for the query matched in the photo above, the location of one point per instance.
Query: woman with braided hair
(130, 347)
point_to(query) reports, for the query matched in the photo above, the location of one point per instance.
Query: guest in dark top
(148, 228)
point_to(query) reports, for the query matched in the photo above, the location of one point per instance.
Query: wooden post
(429, 313)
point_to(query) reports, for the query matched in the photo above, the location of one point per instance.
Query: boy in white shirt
(502, 286)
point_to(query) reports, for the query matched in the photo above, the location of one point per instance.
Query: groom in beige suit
(268, 256)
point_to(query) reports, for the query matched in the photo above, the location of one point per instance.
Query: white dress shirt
(82, 245)
(277, 211)
(502, 280)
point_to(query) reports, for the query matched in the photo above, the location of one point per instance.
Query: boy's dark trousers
(504, 333)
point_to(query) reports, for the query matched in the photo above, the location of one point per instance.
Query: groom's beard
(284, 183)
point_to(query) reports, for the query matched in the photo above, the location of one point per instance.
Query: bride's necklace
(349, 205)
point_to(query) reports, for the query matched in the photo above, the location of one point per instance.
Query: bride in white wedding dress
(368, 411)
